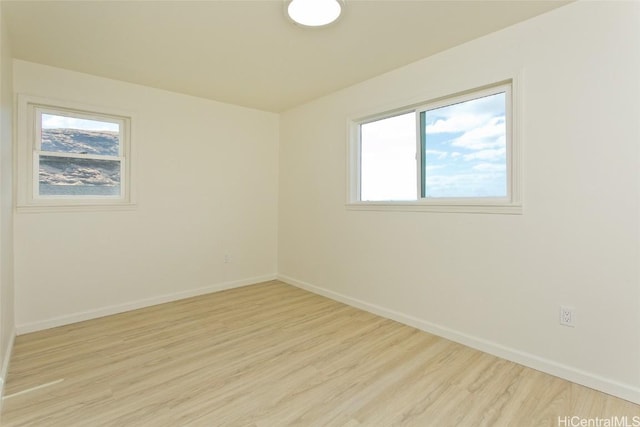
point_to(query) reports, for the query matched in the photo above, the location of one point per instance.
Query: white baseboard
(147, 302)
(614, 388)
(4, 371)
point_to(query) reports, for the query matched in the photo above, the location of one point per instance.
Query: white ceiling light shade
(314, 13)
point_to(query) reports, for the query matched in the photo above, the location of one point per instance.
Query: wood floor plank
(274, 355)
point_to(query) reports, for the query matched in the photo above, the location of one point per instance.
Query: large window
(72, 157)
(453, 154)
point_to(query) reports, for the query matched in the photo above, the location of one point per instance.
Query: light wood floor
(274, 355)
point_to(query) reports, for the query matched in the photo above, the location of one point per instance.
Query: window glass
(78, 157)
(388, 159)
(464, 149)
(65, 176)
(74, 135)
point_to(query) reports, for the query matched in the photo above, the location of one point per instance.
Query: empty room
(320, 213)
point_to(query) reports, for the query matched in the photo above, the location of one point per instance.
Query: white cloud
(495, 154)
(430, 168)
(490, 167)
(437, 153)
(465, 116)
(455, 154)
(490, 135)
(455, 124)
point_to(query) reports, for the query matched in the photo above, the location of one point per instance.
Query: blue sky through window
(465, 149)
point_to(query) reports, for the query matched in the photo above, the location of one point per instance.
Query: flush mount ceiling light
(314, 13)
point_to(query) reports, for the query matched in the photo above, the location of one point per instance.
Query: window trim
(28, 132)
(512, 204)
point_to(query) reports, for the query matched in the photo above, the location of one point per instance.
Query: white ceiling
(246, 52)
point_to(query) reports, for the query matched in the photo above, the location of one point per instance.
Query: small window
(454, 154)
(73, 157)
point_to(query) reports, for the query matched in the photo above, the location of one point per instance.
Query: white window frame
(511, 204)
(28, 152)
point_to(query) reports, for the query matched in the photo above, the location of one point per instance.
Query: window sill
(505, 209)
(58, 207)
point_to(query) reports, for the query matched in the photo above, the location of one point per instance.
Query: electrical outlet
(567, 316)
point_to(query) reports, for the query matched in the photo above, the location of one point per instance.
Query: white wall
(206, 184)
(7, 324)
(495, 281)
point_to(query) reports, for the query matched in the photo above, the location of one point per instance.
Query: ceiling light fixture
(314, 13)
